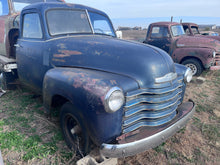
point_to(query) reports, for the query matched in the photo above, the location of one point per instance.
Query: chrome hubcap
(192, 67)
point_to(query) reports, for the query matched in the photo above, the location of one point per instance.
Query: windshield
(177, 30)
(20, 4)
(59, 22)
(77, 22)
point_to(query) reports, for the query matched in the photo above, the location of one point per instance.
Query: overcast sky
(154, 8)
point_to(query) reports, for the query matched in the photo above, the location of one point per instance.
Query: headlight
(213, 54)
(188, 75)
(114, 99)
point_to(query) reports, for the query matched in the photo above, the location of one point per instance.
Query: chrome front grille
(154, 106)
(217, 58)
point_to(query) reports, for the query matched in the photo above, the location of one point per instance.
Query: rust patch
(70, 52)
(82, 80)
(66, 53)
(113, 82)
(60, 55)
(59, 60)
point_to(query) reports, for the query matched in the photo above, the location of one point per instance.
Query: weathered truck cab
(9, 29)
(192, 29)
(123, 96)
(194, 52)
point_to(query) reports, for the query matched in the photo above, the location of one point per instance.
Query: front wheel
(74, 130)
(195, 65)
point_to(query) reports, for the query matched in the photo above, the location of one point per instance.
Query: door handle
(17, 45)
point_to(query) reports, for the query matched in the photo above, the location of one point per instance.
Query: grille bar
(155, 107)
(154, 91)
(150, 115)
(153, 99)
(142, 123)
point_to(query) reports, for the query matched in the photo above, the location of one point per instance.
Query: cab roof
(44, 6)
(165, 23)
(189, 24)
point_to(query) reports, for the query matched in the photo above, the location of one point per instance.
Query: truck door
(29, 49)
(160, 37)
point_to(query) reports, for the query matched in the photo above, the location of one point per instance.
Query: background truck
(196, 53)
(192, 29)
(122, 96)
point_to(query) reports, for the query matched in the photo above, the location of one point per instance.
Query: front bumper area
(186, 111)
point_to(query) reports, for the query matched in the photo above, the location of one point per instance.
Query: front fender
(203, 54)
(86, 89)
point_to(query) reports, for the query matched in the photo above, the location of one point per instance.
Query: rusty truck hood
(200, 42)
(212, 37)
(140, 62)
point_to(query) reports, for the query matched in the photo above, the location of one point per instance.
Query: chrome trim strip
(167, 84)
(166, 78)
(154, 91)
(88, 16)
(129, 149)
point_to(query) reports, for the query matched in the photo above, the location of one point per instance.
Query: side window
(1, 10)
(101, 26)
(32, 26)
(4, 7)
(187, 31)
(195, 30)
(159, 32)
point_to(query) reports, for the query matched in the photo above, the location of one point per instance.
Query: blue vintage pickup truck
(122, 96)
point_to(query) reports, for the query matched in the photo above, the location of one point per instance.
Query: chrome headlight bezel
(114, 100)
(188, 75)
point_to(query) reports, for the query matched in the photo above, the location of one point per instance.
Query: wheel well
(58, 101)
(186, 58)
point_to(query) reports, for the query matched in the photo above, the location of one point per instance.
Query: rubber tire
(7, 81)
(196, 63)
(69, 111)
